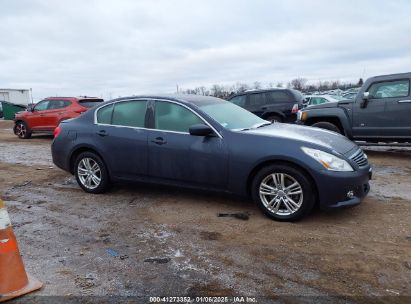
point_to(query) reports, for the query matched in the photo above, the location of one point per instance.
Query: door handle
(404, 101)
(264, 108)
(159, 141)
(102, 133)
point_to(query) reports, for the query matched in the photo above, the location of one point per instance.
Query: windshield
(233, 117)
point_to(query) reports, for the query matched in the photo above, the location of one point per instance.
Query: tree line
(300, 84)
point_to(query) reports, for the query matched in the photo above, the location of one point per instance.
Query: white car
(310, 100)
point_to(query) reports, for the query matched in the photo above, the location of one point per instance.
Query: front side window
(256, 99)
(398, 88)
(239, 100)
(130, 113)
(42, 105)
(104, 115)
(173, 117)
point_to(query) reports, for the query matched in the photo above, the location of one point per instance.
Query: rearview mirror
(365, 99)
(201, 130)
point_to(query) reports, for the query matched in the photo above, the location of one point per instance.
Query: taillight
(80, 111)
(57, 132)
(295, 108)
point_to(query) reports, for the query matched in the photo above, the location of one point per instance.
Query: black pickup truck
(381, 112)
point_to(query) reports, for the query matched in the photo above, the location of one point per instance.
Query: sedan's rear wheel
(91, 173)
(283, 192)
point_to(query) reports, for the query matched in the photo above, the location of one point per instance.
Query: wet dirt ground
(140, 240)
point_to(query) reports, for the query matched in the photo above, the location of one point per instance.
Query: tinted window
(399, 88)
(256, 99)
(89, 103)
(42, 105)
(104, 115)
(173, 117)
(129, 113)
(239, 100)
(58, 104)
(278, 96)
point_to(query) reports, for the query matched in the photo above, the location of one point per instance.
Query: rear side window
(398, 88)
(89, 103)
(256, 99)
(130, 113)
(279, 96)
(239, 100)
(58, 104)
(173, 117)
(104, 115)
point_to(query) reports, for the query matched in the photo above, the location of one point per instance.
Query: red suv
(46, 115)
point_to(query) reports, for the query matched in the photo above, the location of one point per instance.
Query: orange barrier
(14, 281)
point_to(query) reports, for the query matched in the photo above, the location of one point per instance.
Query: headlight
(329, 161)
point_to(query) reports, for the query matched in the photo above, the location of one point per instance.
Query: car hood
(330, 104)
(310, 135)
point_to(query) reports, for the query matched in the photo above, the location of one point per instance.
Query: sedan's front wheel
(91, 173)
(283, 192)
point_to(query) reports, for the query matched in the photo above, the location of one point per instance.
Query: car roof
(390, 76)
(70, 98)
(252, 91)
(197, 100)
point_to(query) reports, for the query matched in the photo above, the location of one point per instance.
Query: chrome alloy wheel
(89, 173)
(281, 194)
(21, 130)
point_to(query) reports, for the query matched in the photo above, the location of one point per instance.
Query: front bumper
(342, 189)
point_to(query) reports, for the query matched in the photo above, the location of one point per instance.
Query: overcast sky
(119, 48)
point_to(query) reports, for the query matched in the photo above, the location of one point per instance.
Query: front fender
(336, 113)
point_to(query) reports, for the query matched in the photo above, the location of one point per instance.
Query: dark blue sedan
(209, 143)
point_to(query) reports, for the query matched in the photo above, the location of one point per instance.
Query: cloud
(120, 47)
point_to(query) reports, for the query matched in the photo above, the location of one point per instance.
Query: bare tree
(257, 85)
(298, 83)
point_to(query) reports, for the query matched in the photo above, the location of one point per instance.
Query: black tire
(22, 130)
(274, 118)
(102, 174)
(328, 126)
(306, 202)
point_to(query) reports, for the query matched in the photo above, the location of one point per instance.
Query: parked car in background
(46, 115)
(351, 95)
(380, 112)
(310, 100)
(280, 105)
(209, 143)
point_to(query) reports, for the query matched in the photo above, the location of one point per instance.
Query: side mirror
(201, 130)
(30, 108)
(365, 99)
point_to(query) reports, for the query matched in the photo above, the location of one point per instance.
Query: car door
(175, 155)
(54, 113)
(36, 118)
(121, 138)
(387, 111)
(398, 108)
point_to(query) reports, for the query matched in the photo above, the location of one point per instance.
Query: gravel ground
(141, 240)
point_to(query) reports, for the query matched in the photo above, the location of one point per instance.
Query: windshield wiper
(257, 126)
(263, 124)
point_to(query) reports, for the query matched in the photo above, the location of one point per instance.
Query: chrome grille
(360, 158)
